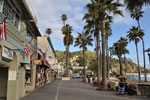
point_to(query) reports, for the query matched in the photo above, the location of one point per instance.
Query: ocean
(135, 77)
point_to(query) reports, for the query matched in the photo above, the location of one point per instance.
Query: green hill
(91, 57)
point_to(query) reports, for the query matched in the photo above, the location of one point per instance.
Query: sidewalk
(76, 90)
(47, 92)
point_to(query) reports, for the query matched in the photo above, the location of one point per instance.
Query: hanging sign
(37, 62)
(27, 49)
(7, 55)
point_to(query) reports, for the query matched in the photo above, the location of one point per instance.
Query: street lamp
(148, 51)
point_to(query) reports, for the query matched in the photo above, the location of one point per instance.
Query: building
(43, 72)
(49, 54)
(17, 73)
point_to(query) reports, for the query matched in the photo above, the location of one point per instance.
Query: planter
(65, 78)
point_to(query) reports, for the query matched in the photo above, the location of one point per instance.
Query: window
(1, 3)
(29, 35)
(12, 13)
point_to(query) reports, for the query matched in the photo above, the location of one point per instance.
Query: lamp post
(148, 51)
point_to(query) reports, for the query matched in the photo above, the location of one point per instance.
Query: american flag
(27, 49)
(3, 35)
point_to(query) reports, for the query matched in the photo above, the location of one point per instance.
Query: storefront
(42, 71)
(8, 72)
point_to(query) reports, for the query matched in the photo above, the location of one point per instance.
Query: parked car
(75, 75)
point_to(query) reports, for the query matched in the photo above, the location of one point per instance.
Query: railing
(21, 36)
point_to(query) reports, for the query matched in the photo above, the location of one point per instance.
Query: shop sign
(24, 59)
(36, 62)
(7, 55)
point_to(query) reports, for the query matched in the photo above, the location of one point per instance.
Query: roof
(30, 15)
(51, 45)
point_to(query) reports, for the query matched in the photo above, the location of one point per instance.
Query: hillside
(91, 57)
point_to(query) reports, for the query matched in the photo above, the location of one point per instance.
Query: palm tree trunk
(103, 56)
(125, 65)
(67, 59)
(84, 63)
(120, 62)
(100, 51)
(139, 24)
(145, 72)
(64, 23)
(107, 58)
(110, 62)
(139, 69)
(97, 53)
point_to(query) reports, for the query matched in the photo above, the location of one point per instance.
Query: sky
(48, 13)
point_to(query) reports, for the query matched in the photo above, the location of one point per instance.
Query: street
(75, 90)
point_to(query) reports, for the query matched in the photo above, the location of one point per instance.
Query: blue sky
(48, 13)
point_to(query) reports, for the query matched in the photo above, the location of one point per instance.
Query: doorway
(3, 83)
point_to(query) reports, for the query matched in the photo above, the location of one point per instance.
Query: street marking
(56, 97)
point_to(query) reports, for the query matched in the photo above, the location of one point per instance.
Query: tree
(93, 27)
(132, 4)
(64, 18)
(133, 36)
(108, 34)
(119, 48)
(93, 66)
(48, 31)
(82, 41)
(103, 8)
(68, 40)
(137, 14)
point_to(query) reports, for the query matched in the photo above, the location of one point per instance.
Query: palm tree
(93, 26)
(110, 56)
(82, 41)
(68, 40)
(108, 34)
(48, 31)
(103, 8)
(133, 35)
(123, 42)
(64, 18)
(119, 48)
(141, 34)
(137, 14)
(132, 4)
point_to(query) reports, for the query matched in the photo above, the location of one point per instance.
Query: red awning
(45, 61)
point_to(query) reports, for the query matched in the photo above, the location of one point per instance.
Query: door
(3, 82)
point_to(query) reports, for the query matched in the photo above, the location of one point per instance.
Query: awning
(45, 61)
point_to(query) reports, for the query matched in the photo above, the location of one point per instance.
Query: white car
(75, 75)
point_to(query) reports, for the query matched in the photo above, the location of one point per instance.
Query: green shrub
(122, 78)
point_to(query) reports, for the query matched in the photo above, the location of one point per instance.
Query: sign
(24, 59)
(19, 50)
(27, 49)
(7, 55)
(79, 67)
(12, 75)
(36, 62)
